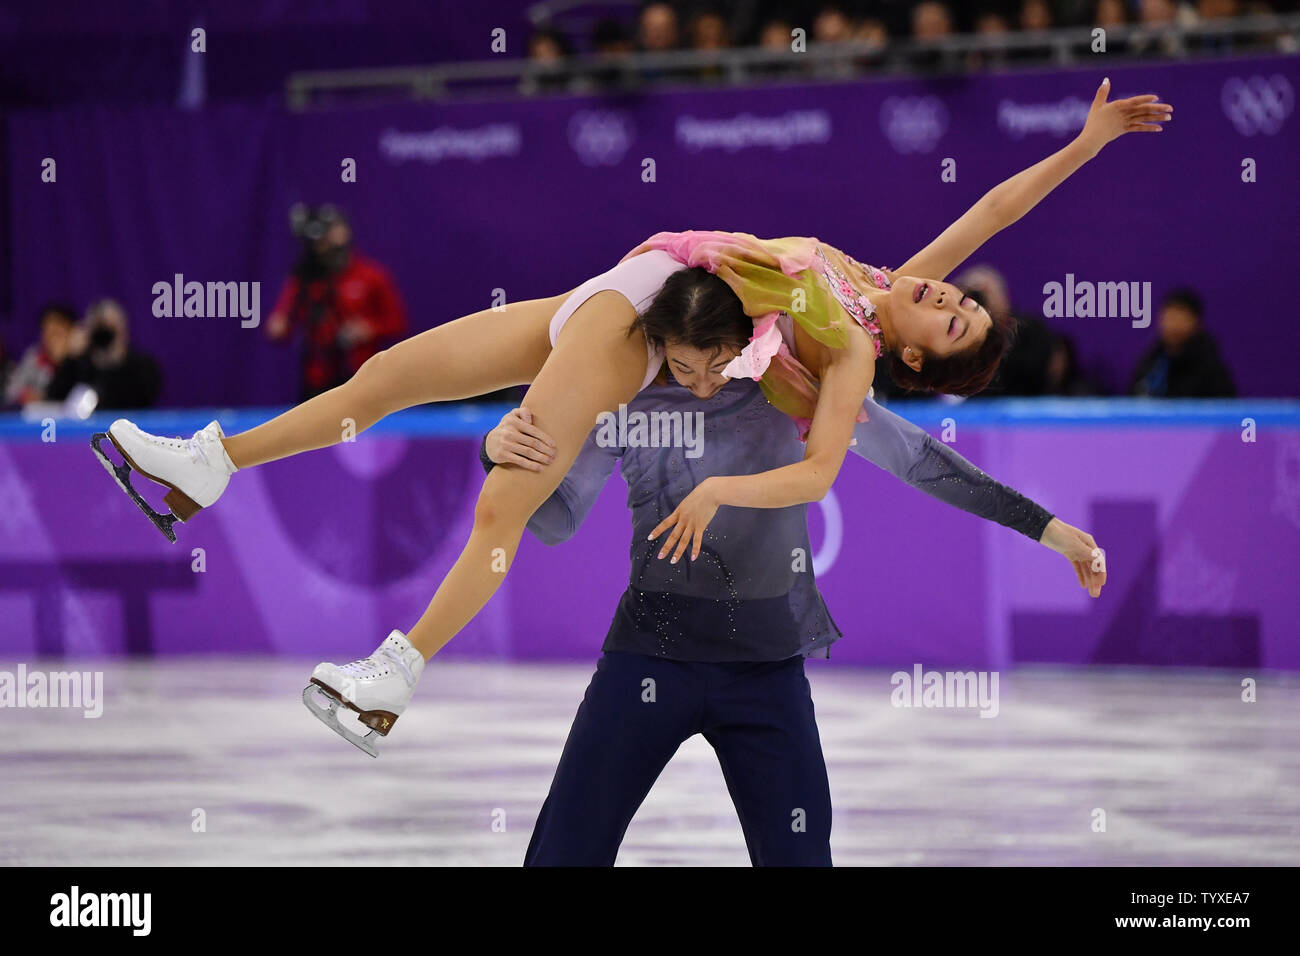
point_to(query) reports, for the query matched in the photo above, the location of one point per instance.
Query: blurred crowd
(95, 352)
(341, 329)
(338, 305)
(1181, 361)
(663, 26)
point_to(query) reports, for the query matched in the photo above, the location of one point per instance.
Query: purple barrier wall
(322, 554)
(533, 197)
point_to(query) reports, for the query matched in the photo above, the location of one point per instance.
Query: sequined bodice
(849, 296)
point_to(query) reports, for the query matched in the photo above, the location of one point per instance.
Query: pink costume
(639, 281)
(780, 282)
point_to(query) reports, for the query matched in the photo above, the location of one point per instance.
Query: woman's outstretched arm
(1008, 201)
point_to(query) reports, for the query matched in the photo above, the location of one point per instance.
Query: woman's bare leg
(474, 355)
(593, 368)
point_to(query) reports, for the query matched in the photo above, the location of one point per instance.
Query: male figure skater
(716, 645)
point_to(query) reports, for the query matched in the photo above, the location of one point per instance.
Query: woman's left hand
(1110, 121)
(689, 520)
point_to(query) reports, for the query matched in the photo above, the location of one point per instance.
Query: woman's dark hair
(965, 373)
(696, 309)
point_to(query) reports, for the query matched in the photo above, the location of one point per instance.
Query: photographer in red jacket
(346, 304)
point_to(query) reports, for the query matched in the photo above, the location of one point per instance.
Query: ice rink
(1186, 772)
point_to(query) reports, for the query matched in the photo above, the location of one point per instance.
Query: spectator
(1208, 11)
(1157, 13)
(1184, 362)
(832, 25)
(931, 23)
(1035, 16)
(988, 284)
(1064, 377)
(776, 34)
(548, 45)
(32, 376)
(872, 31)
(1024, 370)
(657, 29)
(345, 304)
(931, 20)
(548, 50)
(657, 32)
(989, 24)
(1279, 39)
(1217, 9)
(1112, 15)
(100, 356)
(708, 30)
(611, 43)
(1156, 16)
(610, 39)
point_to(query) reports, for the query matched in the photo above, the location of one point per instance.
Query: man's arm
(517, 442)
(907, 452)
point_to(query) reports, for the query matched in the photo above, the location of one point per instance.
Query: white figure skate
(195, 470)
(377, 688)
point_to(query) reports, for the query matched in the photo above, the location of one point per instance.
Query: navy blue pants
(638, 710)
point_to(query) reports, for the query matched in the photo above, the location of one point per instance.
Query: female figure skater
(813, 324)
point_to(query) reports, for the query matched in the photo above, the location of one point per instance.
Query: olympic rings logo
(1256, 104)
(600, 137)
(913, 124)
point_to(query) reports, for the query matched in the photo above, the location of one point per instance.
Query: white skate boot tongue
(211, 437)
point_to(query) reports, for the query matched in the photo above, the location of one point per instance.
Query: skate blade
(121, 474)
(324, 708)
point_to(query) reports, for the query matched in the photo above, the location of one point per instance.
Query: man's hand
(1110, 121)
(1078, 547)
(517, 441)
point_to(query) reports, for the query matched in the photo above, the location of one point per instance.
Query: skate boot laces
(192, 446)
(379, 665)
